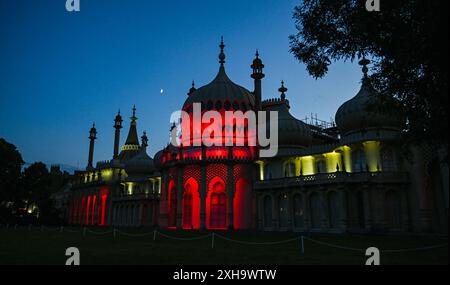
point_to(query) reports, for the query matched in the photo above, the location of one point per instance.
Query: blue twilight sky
(61, 71)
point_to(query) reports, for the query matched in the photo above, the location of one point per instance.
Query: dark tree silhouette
(10, 169)
(407, 42)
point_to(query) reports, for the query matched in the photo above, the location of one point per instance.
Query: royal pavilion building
(355, 175)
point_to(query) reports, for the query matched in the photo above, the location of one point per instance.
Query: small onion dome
(291, 131)
(140, 164)
(368, 110)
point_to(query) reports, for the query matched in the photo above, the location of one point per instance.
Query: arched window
(298, 211)
(392, 210)
(316, 210)
(218, 202)
(267, 212)
(283, 211)
(359, 161)
(333, 209)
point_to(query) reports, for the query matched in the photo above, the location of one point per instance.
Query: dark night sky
(61, 71)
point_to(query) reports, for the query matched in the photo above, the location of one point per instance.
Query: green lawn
(24, 246)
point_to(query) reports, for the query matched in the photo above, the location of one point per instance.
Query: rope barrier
(99, 233)
(257, 243)
(385, 250)
(213, 235)
(178, 238)
(134, 235)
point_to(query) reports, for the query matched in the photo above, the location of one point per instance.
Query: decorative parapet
(333, 178)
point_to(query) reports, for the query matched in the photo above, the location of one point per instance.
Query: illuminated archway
(191, 205)
(242, 205)
(172, 205)
(216, 205)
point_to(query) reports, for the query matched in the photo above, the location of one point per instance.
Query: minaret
(257, 75)
(117, 125)
(144, 140)
(92, 138)
(283, 91)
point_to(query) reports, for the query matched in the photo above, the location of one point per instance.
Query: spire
(282, 90)
(222, 54)
(132, 138)
(192, 90)
(144, 139)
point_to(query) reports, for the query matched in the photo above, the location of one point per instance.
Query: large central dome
(221, 93)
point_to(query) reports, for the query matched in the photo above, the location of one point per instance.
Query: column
(203, 196)
(230, 193)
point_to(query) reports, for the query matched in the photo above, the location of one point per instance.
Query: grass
(24, 246)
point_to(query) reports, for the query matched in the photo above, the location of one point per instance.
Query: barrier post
(84, 231)
(154, 235)
(302, 244)
(114, 233)
(61, 229)
(15, 227)
(7, 226)
(212, 241)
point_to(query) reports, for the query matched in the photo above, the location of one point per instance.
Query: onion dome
(367, 110)
(221, 93)
(291, 131)
(141, 163)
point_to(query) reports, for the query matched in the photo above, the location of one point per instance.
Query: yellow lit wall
(107, 174)
(308, 165)
(261, 169)
(297, 162)
(130, 188)
(372, 152)
(333, 159)
(347, 157)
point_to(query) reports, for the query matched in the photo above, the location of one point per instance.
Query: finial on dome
(193, 89)
(282, 90)
(222, 54)
(134, 110)
(364, 62)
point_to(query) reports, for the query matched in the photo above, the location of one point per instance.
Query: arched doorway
(267, 212)
(316, 210)
(392, 210)
(298, 211)
(333, 210)
(283, 211)
(191, 205)
(217, 205)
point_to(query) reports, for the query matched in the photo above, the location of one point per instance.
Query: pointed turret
(257, 67)
(92, 138)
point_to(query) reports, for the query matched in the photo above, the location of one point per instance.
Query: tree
(10, 170)
(407, 42)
